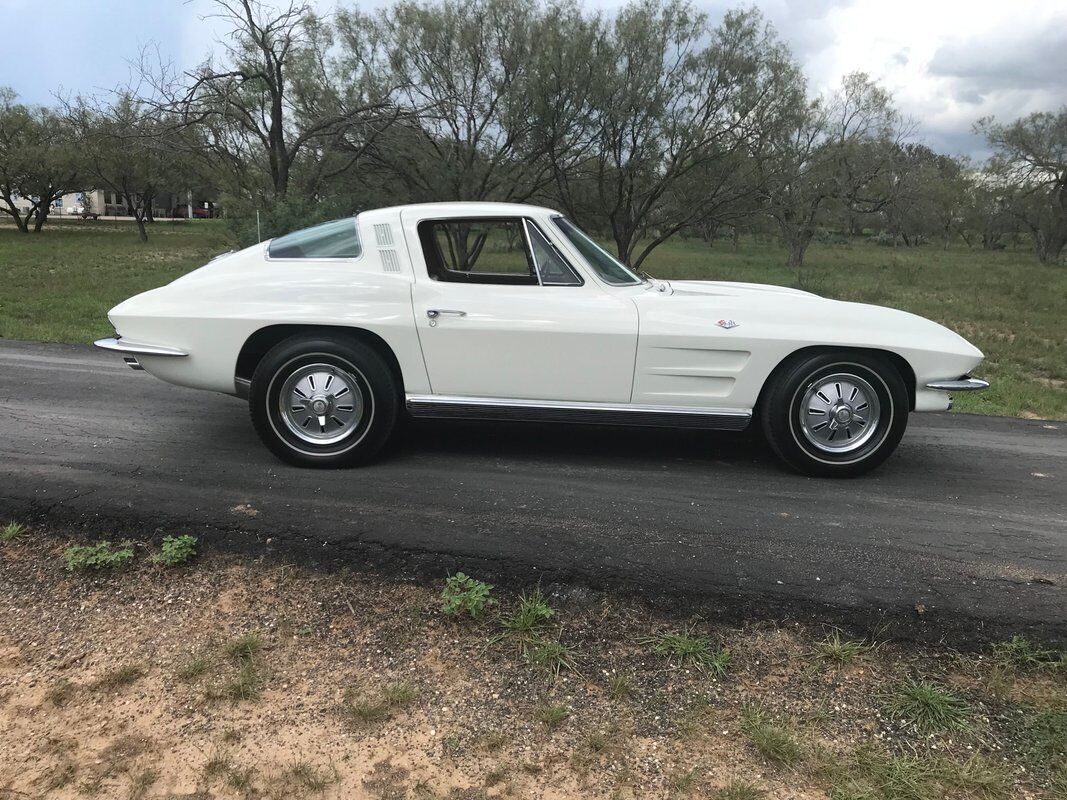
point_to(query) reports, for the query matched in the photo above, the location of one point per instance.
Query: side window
(477, 251)
(337, 239)
(553, 268)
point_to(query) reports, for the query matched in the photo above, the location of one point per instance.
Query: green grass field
(59, 285)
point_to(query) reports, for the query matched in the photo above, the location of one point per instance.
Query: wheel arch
(898, 361)
(261, 341)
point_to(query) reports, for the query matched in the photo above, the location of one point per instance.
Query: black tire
(348, 438)
(795, 389)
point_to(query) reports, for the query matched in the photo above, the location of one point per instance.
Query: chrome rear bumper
(130, 350)
(120, 345)
(964, 384)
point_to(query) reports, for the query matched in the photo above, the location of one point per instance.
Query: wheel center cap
(843, 414)
(319, 405)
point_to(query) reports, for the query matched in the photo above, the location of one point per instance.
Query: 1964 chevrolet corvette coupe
(510, 312)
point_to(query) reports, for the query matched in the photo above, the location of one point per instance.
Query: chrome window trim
(521, 220)
(528, 223)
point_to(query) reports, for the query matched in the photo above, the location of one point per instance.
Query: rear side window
(337, 239)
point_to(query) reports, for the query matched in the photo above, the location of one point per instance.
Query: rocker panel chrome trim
(504, 409)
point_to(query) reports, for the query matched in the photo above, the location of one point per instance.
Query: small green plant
(683, 782)
(119, 677)
(685, 649)
(102, 555)
(241, 780)
(1045, 735)
(193, 668)
(619, 687)
(12, 531)
(834, 649)
(217, 765)
(245, 685)
(495, 776)
(365, 708)
(929, 707)
(552, 715)
(244, 648)
(231, 736)
(696, 720)
(303, 776)
(1019, 653)
(740, 790)
(550, 656)
(533, 613)
(176, 550)
(141, 782)
(773, 741)
(464, 595)
(398, 694)
(978, 777)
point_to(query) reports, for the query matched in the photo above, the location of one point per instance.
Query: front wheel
(323, 401)
(835, 414)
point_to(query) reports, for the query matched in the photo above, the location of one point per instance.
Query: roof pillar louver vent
(384, 234)
(390, 263)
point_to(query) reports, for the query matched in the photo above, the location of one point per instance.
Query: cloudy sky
(947, 62)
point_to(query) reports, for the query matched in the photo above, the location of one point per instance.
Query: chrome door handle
(434, 313)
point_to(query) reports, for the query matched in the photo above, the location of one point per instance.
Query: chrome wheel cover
(321, 404)
(839, 413)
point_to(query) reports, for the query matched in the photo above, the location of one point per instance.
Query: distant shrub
(102, 555)
(464, 595)
(176, 550)
(884, 239)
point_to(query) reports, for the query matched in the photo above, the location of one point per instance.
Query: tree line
(642, 124)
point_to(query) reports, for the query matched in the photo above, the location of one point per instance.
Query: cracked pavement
(968, 519)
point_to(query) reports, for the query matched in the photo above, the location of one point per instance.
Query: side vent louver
(390, 263)
(384, 234)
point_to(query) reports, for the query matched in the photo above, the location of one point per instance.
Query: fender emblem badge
(727, 323)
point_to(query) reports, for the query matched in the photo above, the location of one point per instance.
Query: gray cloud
(1036, 61)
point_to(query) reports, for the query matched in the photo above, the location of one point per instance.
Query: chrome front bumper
(964, 384)
(130, 350)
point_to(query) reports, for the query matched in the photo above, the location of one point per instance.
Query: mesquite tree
(835, 150)
(1030, 162)
(39, 162)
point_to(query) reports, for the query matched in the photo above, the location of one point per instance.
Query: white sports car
(510, 312)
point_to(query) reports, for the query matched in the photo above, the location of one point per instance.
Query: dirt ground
(235, 678)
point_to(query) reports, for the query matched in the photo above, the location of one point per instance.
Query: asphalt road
(968, 519)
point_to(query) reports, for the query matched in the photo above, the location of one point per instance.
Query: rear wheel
(323, 401)
(835, 414)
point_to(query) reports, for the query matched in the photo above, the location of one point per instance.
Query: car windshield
(606, 266)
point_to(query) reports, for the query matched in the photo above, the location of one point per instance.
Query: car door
(500, 313)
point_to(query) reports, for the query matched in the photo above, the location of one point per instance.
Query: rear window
(337, 239)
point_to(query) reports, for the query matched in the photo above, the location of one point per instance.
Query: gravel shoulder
(237, 677)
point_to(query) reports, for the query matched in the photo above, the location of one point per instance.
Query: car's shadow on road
(578, 443)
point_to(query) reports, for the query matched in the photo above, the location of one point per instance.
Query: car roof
(459, 209)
